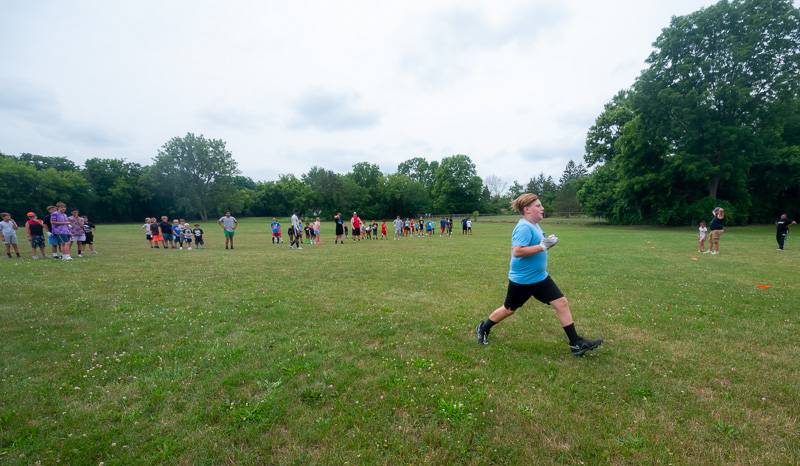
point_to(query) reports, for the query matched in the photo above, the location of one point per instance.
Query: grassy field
(365, 353)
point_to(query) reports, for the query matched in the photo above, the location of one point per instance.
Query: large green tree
(701, 118)
(200, 172)
(457, 188)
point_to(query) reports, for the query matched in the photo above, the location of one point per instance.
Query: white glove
(549, 242)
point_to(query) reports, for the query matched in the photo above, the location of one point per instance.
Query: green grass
(365, 353)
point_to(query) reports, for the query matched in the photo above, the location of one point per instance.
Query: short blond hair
(524, 200)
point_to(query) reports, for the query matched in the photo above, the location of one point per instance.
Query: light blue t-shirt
(530, 269)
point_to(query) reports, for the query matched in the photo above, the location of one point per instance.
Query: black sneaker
(584, 345)
(483, 335)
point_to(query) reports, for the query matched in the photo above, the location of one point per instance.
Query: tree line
(194, 176)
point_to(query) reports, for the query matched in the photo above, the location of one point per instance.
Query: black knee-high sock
(572, 334)
(487, 325)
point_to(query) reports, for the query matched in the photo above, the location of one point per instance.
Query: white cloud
(288, 85)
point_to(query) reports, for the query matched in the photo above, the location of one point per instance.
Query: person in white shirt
(298, 233)
(701, 237)
(398, 228)
(147, 233)
(228, 224)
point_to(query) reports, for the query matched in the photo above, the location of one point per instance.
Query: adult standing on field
(355, 224)
(528, 277)
(783, 230)
(294, 241)
(717, 227)
(339, 228)
(228, 224)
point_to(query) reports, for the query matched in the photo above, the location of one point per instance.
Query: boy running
(8, 228)
(34, 230)
(528, 277)
(228, 225)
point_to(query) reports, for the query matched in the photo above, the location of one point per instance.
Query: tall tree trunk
(713, 185)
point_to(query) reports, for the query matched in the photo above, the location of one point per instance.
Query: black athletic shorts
(89, 238)
(356, 231)
(545, 291)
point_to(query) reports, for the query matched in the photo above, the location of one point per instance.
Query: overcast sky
(289, 85)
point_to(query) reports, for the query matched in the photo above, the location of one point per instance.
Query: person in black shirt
(782, 230)
(166, 232)
(88, 229)
(198, 236)
(717, 227)
(339, 228)
(34, 229)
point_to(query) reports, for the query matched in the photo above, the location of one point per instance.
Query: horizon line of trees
(194, 176)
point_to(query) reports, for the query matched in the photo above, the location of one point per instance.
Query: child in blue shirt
(528, 277)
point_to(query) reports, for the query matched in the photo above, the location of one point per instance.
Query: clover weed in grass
(365, 352)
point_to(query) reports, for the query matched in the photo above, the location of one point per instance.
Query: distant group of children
(175, 234)
(179, 234)
(299, 229)
(60, 230)
(308, 231)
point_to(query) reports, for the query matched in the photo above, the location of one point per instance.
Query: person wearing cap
(34, 230)
(8, 229)
(355, 224)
